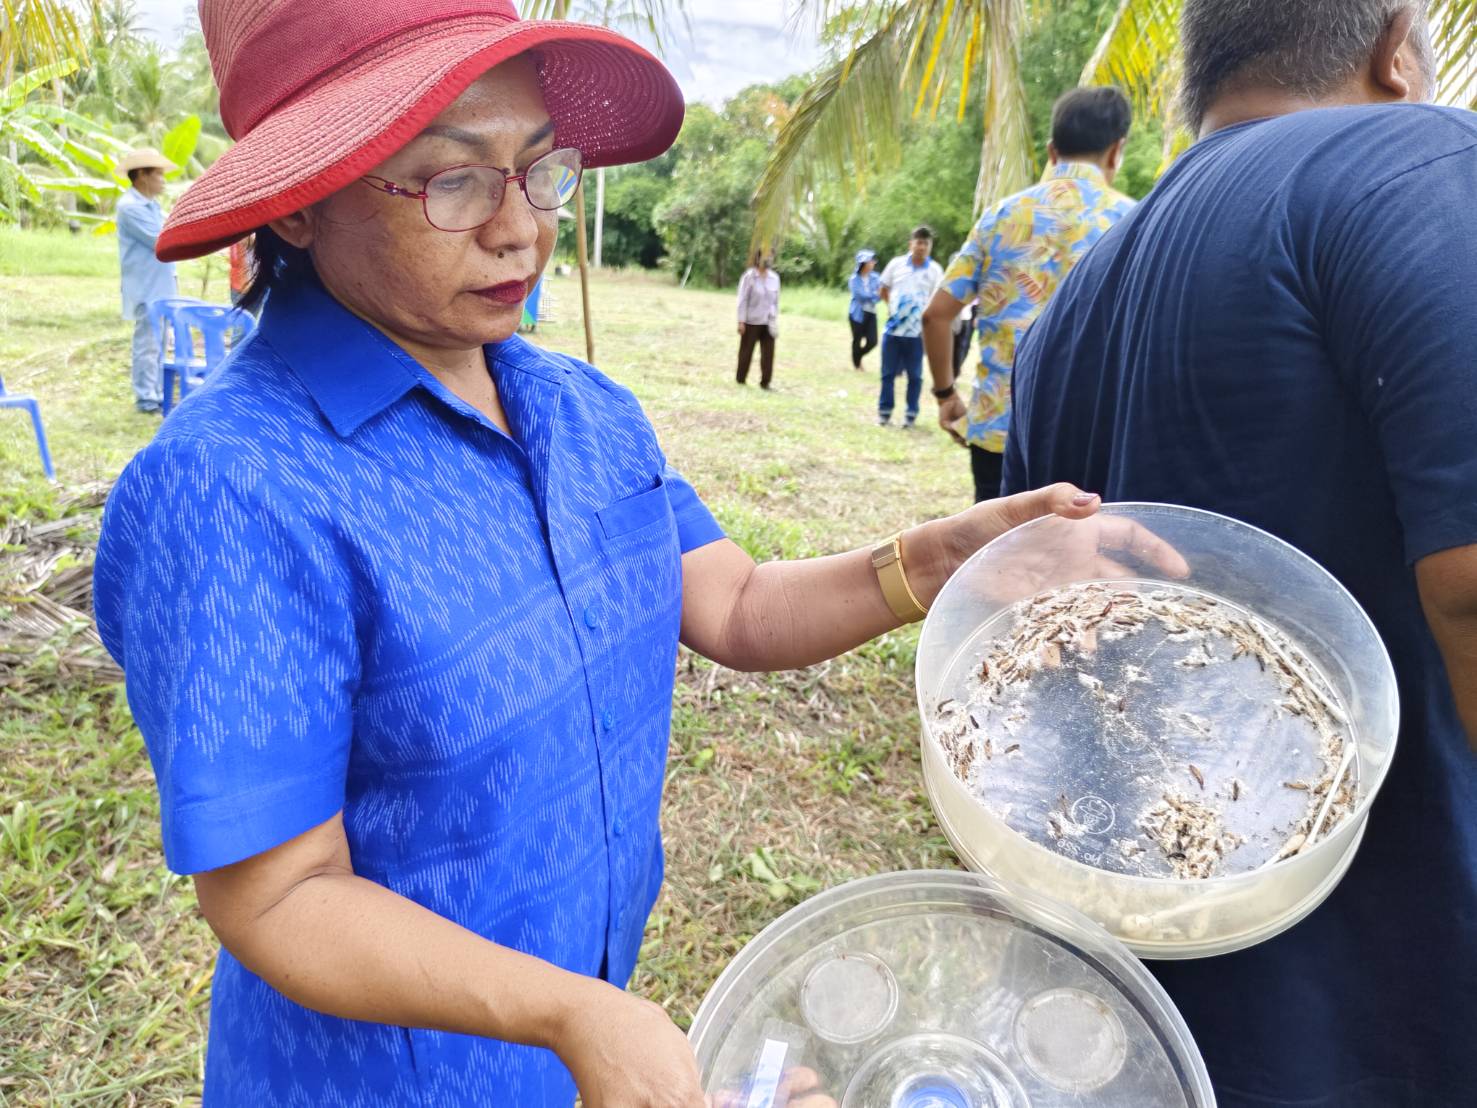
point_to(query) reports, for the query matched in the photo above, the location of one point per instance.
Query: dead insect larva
(1300, 786)
(1198, 776)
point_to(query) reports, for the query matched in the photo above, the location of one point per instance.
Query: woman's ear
(295, 229)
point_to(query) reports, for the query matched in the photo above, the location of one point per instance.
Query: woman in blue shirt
(399, 596)
(866, 291)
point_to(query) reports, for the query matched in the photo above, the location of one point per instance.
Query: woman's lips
(509, 292)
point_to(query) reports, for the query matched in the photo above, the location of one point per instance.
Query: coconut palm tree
(917, 50)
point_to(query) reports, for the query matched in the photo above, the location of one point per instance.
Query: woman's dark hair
(275, 264)
(1086, 121)
(133, 176)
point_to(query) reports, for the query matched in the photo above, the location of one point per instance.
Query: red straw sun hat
(318, 92)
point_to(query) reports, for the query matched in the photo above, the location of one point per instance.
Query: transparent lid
(943, 990)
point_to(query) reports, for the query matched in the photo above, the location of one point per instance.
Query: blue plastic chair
(173, 340)
(181, 358)
(7, 400)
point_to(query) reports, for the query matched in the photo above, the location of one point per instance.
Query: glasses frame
(390, 188)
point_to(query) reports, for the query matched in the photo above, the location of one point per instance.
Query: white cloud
(731, 43)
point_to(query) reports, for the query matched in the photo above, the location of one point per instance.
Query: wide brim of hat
(608, 98)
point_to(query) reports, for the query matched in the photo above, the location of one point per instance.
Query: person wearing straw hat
(144, 277)
(398, 595)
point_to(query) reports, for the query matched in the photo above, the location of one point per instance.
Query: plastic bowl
(1158, 916)
(944, 990)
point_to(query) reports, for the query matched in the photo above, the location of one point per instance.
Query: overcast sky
(733, 43)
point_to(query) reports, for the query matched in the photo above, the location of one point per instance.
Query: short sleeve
(966, 271)
(137, 222)
(231, 615)
(695, 523)
(889, 274)
(1400, 317)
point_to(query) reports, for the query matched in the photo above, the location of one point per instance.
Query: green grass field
(778, 785)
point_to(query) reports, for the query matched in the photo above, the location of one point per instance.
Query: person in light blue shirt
(866, 291)
(145, 278)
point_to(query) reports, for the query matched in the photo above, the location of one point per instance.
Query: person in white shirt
(758, 318)
(908, 284)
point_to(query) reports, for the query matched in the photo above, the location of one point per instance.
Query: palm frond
(35, 33)
(849, 120)
(851, 106)
(1454, 32)
(1138, 54)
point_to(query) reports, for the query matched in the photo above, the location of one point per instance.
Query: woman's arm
(785, 615)
(299, 918)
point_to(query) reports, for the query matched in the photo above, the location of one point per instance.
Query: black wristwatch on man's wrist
(944, 393)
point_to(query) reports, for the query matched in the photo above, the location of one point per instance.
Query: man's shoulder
(1360, 147)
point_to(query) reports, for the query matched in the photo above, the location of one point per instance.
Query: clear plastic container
(1116, 725)
(943, 990)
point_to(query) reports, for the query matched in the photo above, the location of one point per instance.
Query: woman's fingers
(1126, 535)
(1063, 499)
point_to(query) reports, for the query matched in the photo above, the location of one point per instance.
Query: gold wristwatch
(887, 560)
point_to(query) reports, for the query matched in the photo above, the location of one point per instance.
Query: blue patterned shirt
(334, 585)
(865, 292)
(910, 288)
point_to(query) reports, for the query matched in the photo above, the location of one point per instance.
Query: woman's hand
(625, 1052)
(1083, 551)
(800, 1087)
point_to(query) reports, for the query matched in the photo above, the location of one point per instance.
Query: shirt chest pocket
(635, 513)
(641, 582)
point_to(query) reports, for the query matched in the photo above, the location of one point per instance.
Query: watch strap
(887, 560)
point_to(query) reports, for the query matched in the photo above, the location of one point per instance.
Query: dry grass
(779, 784)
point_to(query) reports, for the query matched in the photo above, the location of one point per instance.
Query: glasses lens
(464, 197)
(553, 178)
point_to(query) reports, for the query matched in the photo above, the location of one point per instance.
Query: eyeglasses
(464, 197)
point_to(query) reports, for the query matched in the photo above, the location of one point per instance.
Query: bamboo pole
(581, 250)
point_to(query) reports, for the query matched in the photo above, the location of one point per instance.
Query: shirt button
(592, 617)
(619, 827)
(607, 719)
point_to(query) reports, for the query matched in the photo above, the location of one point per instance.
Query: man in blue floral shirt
(1016, 256)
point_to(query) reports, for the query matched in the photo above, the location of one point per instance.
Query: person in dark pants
(866, 290)
(1016, 256)
(758, 319)
(1283, 332)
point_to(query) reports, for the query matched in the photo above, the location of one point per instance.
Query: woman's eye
(448, 183)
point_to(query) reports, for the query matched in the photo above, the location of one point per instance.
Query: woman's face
(867, 267)
(429, 290)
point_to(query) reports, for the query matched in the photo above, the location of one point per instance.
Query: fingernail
(1083, 499)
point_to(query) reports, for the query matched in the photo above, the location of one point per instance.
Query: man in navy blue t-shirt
(1285, 331)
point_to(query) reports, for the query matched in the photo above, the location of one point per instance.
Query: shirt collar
(140, 197)
(354, 372)
(1079, 171)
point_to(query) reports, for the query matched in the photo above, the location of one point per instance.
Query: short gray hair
(1308, 47)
